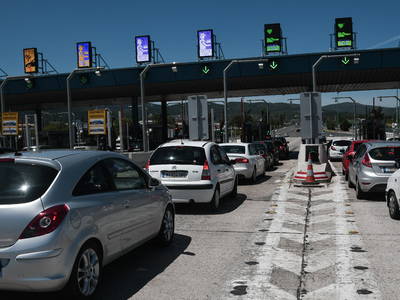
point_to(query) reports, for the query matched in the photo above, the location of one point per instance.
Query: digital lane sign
(31, 60)
(205, 42)
(344, 32)
(273, 37)
(84, 52)
(143, 49)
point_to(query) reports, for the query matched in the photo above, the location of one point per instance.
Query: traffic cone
(310, 172)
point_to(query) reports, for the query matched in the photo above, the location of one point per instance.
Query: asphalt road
(275, 240)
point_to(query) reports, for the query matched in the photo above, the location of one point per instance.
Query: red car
(349, 154)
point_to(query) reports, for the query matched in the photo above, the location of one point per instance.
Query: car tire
(394, 211)
(359, 193)
(167, 229)
(86, 272)
(346, 176)
(253, 177)
(349, 183)
(235, 188)
(214, 204)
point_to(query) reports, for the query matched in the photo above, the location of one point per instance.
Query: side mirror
(154, 182)
(350, 157)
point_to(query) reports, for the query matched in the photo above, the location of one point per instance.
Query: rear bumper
(187, 192)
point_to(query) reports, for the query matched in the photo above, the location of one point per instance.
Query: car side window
(126, 176)
(252, 151)
(360, 151)
(224, 156)
(215, 156)
(92, 182)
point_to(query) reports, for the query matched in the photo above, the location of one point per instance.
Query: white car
(392, 193)
(249, 164)
(337, 148)
(194, 171)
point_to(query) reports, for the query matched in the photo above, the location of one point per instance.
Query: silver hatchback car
(372, 165)
(65, 214)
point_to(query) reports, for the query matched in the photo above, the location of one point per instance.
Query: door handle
(126, 204)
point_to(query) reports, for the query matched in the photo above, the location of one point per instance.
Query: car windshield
(21, 183)
(234, 149)
(259, 147)
(385, 153)
(341, 143)
(185, 155)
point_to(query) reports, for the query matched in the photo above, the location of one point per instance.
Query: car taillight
(206, 175)
(366, 161)
(7, 160)
(264, 155)
(148, 164)
(45, 222)
(281, 147)
(242, 160)
(332, 148)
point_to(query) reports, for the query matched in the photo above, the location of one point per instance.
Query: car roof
(383, 143)
(186, 143)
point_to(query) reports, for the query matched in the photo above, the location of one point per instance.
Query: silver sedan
(66, 214)
(249, 164)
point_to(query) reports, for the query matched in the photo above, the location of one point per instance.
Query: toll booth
(321, 167)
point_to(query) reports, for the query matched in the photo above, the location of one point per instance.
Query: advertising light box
(97, 121)
(30, 60)
(9, 123)
(205, 43)
(143, 49)
(84, 51)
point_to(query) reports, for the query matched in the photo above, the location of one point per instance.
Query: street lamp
(4, 83)
(236, 61)
(174, 69)
(356, 61)
(70, 128)
(397, 110)
(354, 113)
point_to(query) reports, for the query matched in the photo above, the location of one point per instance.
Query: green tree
(345, 125)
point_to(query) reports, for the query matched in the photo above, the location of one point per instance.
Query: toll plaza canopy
(280, 75)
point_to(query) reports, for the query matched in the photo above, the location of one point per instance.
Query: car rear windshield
(385, 153)
(341, 143)
(22, 183)
(184, 155)
(259, 147)
(234, 149)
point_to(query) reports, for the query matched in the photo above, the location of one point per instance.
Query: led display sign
(143, 49)
(344, 33)
(205, 42)
(84, 51)
(31, 60)
(273, 37)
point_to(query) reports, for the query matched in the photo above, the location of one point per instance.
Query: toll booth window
(314, 151)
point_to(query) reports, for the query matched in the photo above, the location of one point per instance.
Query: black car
(272, 149)
(284, 142)
(262, 149)
(281, 147)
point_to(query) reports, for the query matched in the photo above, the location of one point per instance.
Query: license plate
(173, 174)
(389, 170)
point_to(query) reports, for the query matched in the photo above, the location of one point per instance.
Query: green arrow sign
(345, 60)
(205, 70)
(274, 65)
(84, 79)
(29, 85)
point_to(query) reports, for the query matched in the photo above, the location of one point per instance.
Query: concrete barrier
(321, 166)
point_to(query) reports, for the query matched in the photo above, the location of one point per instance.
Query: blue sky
(54, 28)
